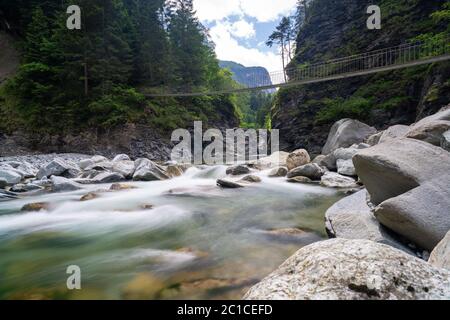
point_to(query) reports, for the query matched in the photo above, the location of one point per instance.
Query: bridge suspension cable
(403, 56)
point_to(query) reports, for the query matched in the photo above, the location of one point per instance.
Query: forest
(70, 80)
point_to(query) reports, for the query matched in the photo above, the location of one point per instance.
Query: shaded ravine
(198, 241)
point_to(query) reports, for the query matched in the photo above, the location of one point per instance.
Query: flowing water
(197, 242)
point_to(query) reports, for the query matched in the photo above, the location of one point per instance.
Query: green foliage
(73, 80)
(337, 109)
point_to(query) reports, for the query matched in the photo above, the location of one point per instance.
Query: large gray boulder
(352, 218)
(297, 158)
(124, 167)
(336, 180)
(432, 128)
(440, 256)
(55, 168)
(421, 215)
(61, 184)
(311, 170)
(147, 170)
(10, 176)
(395, 167)
(342, 269)
(394, 132)
(345, 133)
(108, 177)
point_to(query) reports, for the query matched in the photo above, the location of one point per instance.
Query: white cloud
(261, 10)
(228, 48)
(243, 29)
(226, 34)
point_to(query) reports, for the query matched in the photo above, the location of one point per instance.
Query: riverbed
(183, 238)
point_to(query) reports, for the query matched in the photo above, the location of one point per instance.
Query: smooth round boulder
(297, 158)
(345, 133)
(311, 170)
(238, 170)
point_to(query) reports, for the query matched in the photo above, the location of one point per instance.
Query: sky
(240, 28)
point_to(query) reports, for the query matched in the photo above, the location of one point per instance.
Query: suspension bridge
(388, 59)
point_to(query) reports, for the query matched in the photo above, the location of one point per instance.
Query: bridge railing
(379, 59)
(375, 61)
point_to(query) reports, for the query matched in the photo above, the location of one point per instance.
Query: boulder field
(385, 232)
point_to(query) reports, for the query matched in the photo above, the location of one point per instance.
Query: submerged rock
(229, 184)
(335, 180)
(121, 186)
(345, 133)
(38, 206)
(143, 286)
(312, 171)
(300, 180)
(342, 269)
(251, 179)
(278, 172)
(352, 218)
(440, 256)
(3, 183)
(297, 158)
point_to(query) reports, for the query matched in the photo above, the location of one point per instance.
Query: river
(197, 242)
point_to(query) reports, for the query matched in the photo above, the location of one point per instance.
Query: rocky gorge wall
(304, 114)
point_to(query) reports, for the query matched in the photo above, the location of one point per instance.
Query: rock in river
(342, 269)
(55, 168)
(297, 158)
(278, 172)
(312, 171)
(238, 170)
(11, 177)
(345, 133)
(60, 184)
(351, 218)
(108, 177)
(335, 180)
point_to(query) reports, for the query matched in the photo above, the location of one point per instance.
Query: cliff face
(249, 76)
(333, 29)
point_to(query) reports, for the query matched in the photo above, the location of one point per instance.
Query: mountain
(335, 29)
(247, 76)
